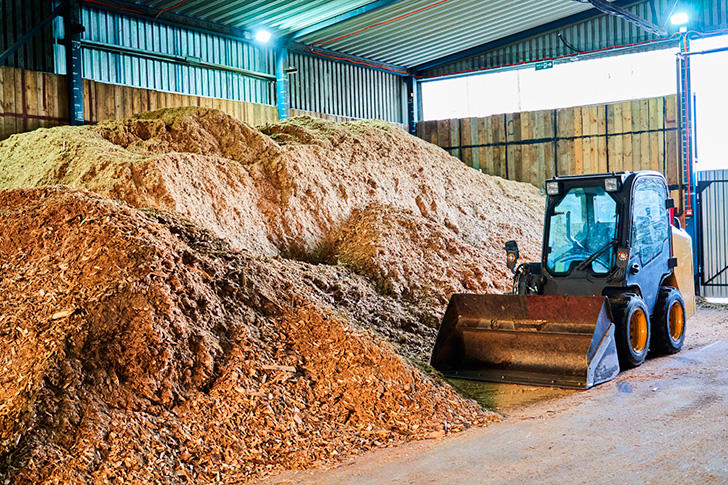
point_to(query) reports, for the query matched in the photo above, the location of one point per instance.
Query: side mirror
(511, 255)
(676, 222)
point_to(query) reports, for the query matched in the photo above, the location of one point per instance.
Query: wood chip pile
(137, 346)
(412, 258)
(229, 302)
(285, 190)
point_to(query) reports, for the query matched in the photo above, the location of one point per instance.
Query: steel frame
(586, 15)
(700, 276)
(158, 56)
(282, 83)
(73, 28)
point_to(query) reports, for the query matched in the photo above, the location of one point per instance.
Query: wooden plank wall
(112, 101)
(336, 118)
(30, 100)
(534, 146)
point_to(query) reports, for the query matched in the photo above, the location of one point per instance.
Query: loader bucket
(562, 341)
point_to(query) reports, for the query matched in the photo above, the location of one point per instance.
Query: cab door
(650, 237)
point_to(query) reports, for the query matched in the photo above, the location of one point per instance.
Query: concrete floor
(666, 421)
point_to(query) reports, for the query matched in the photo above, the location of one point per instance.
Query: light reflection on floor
(502, 397)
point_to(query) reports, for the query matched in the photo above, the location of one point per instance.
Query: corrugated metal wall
(341, 89)
(714, 214)
(132, 70)
(596, 33)
(18, 17)
(321, 85)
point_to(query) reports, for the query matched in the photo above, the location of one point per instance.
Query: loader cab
(606, 233)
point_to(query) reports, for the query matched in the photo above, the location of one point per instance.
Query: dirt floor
(664, 422)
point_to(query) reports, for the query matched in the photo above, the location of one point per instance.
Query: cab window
(650, 225)
(581, 224)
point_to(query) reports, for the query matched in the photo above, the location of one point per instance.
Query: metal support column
(282, 92)
(73, 29)
(688, 143)
(413, 104)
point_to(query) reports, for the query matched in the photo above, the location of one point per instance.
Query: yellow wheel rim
(677, 321)
(638, 331)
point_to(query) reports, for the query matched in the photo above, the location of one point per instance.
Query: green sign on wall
(544, 65)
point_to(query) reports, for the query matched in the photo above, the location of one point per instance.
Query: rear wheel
(668, 325)
(632, 330)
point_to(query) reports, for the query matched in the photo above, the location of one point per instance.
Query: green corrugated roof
(284, 16)
(444, 29)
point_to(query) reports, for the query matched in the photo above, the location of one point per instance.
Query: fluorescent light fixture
(680, 18)
(262, 36)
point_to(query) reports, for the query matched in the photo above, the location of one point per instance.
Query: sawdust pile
(138, 346)
(287, 190)
(413, 258)
(338, 167)
(201, 164)
(252, 316)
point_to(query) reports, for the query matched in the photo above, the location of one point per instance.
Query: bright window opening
(582, 224)
(709, 73)
(605, 80)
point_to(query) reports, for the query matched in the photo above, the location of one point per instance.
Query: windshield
(582, 223)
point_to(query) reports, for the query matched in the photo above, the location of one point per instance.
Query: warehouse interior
(282, 241)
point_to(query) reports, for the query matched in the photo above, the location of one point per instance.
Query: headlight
(552, 188)
(611, 184)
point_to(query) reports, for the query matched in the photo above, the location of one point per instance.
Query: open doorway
(709, 73)
(592, 81)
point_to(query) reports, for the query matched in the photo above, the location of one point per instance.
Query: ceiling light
(262, 36)
(680, 18)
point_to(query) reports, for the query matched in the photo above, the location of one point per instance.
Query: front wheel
(632, 321)
(668, 325)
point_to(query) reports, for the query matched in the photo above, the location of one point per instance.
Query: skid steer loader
(615, 282)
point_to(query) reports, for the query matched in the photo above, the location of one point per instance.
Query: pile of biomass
(413, 258)
(284, 191)
(252, 316)
(201, 164)
(137, 346)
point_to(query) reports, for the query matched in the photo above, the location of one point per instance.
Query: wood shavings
(162, 373)
(142, 347)
(62, 314)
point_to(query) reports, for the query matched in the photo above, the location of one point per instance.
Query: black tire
(632, 333)
(668, 323)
